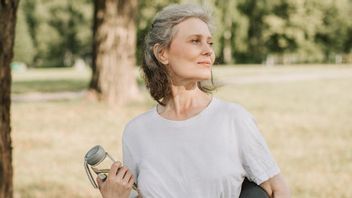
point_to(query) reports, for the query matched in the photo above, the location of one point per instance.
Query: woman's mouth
(207, 63)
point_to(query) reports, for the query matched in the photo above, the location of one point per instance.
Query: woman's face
(190, 55)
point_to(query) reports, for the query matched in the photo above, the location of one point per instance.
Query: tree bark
(114, 33)
(8, 10)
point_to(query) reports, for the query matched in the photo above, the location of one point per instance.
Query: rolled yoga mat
(252, 190)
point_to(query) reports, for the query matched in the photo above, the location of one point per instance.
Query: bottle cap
(95, 155)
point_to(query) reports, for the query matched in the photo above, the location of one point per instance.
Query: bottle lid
(95, 155)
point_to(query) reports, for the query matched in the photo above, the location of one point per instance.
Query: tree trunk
(8, 10)
(228, 47)
(114, 31)
(227, 50)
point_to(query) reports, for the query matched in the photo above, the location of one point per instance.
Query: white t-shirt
(205, 156)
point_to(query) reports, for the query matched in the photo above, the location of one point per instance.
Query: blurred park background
(289, 62)
(59, 33)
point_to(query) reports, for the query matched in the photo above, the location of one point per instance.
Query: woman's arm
(276, 187)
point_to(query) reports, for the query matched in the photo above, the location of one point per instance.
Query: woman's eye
(195, 41)
(210, 43)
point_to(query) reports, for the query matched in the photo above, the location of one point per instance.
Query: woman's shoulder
(137, 125)
(140, 120)
(233, 108)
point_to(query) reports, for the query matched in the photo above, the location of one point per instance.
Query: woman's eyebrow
(200, 35)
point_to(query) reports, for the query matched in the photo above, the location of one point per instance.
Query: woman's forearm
(281, 193)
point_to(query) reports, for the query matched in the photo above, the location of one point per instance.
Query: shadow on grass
(48, 86)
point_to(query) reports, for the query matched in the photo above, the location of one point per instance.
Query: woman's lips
(204, 62)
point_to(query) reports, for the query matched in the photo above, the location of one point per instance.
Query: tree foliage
(247, 31)
(60, 30)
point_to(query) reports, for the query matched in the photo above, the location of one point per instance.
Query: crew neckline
(186, 121)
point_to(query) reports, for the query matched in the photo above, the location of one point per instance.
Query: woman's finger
(131, 180)
(99, 182)
(114, 167)
(121, 173)
(127, 176)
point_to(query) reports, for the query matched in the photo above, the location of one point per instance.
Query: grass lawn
(307, 125)
(49, 80)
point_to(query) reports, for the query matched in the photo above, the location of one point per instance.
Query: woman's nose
(207, 49)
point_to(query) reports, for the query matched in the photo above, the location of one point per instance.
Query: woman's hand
(276, 187)
(118, 184)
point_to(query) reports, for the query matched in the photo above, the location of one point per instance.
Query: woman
(191, 144)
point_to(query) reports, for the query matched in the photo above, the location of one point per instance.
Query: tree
(114, 45)
(290, 30)
(228, 12)
(24, 48)
(7, 37)
(60, 30)
(255, 11)
(333, 33)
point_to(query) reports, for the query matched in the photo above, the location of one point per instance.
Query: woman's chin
(205, 75)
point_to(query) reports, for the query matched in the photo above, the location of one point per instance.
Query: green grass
(307, 125)
(46, 86)
(50, 80)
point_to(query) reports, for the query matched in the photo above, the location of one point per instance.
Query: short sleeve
(256, 158)
(129, 160)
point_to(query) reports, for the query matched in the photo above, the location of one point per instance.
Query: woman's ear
(160, 54)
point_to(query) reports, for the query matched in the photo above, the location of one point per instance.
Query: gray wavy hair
(155, 74)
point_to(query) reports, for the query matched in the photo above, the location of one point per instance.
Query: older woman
(191, 144)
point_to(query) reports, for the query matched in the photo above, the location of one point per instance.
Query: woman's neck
(184, 104)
